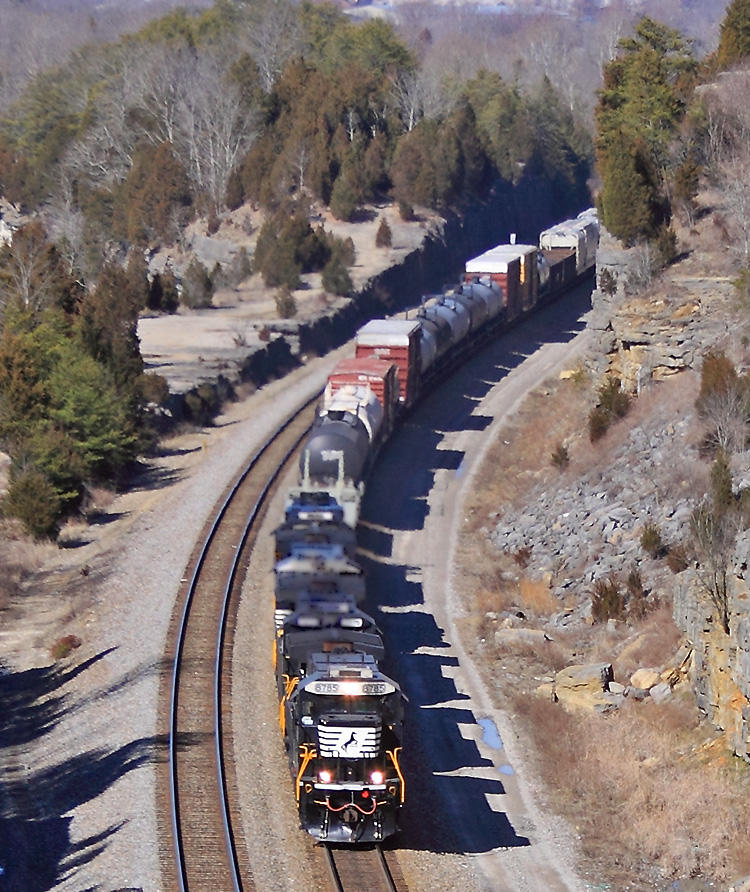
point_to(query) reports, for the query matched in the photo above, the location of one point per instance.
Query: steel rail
(200, 561)
(369, 872)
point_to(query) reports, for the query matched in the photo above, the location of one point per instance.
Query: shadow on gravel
(36, 851)
(451, 803)
(449, 408)
(150, 477)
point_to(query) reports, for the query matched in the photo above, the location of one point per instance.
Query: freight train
(341, 717)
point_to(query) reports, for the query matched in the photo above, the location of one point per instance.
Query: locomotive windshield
(388, 706)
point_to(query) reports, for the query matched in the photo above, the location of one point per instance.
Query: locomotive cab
(344, 723)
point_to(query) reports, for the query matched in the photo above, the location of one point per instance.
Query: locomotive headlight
(350, 688)
(325, 775)
(377, 777)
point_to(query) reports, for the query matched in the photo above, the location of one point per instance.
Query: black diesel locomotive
(341, 716)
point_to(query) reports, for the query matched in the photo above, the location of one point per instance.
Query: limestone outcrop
(640, 337)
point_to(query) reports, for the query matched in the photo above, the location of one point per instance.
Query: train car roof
(387, 331)
(496, 260)
(365, 365)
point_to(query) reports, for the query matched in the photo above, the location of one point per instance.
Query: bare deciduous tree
(714, 535)
(215, 130)
(727, 413)
(735, 178)
(274, 35)
(27, 274)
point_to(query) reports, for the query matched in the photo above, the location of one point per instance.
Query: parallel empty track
(208, 855)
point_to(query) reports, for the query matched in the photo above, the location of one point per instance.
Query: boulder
(586, 687)
(645, 679)
(660, 692)
(546, 690)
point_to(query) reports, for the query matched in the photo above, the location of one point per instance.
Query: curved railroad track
(355, 869)
(203, 792)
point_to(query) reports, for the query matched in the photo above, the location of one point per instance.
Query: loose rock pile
(587, 527)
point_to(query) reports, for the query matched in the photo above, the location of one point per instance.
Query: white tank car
(487, 293)
(340, 442)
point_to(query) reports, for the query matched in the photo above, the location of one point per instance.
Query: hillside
(590, 588)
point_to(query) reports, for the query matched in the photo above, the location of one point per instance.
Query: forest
(288, 106)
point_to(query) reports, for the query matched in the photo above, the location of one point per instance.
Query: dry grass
(553, 414)
(639, 780)
(20, 558)
(652, 642)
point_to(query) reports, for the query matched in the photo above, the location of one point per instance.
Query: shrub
(522, 556)
(240, 268)
(213, 223)
(665, 246)
(234, 195)
(598, 424)
(286, 305)
(613, 399)
(607, 601)
(722, 497)
(651, 541)
(613, 403)
(163, 296)
(384, 236)
(677, 558)
(34, 501)
(153, 388)
(63, 646)
(201, 404)
(637, 604)
(718, 375)
(560, 457)
(607, 282)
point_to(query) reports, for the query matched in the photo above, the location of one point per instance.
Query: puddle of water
(490, 734)
(491, 737)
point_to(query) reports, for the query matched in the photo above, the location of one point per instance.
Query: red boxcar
(380, 375)
(514, 268)
(396, 341)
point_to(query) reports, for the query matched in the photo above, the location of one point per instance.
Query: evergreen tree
(734, 39)
(384, 236)
(640, 107)
(336, 278)
(197, 288)
(343, 198)
(630, 201)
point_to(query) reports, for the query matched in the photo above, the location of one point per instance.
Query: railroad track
(356, 869)
(203, 794)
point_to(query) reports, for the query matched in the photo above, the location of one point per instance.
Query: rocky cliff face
(648, 337)
(642, 337)
(720, 670)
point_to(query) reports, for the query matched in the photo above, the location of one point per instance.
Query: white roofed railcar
(580, 235)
